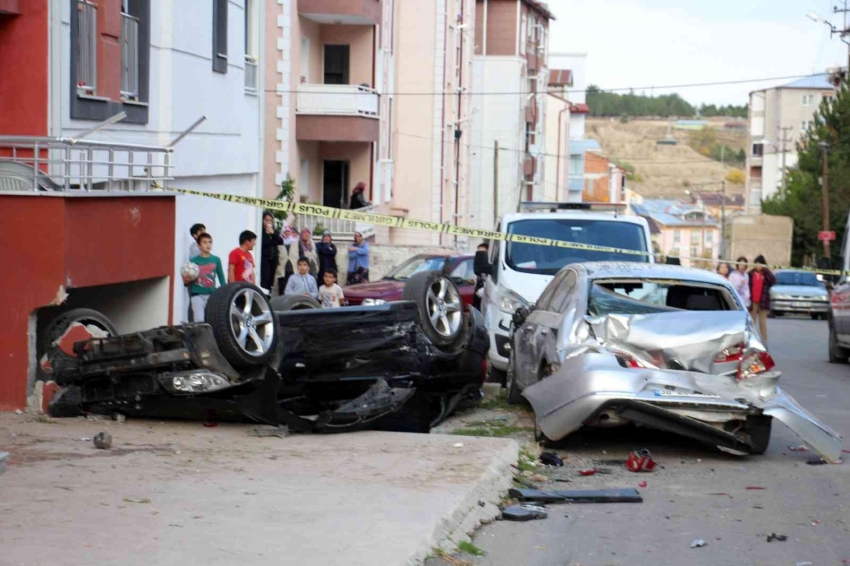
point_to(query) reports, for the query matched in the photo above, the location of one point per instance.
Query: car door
(537, 327)
(550, 324)
(464, 276)
(840, 300)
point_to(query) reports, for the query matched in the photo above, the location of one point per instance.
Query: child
(210, 275)
(241, 262)
(303, 283)
(330, 295)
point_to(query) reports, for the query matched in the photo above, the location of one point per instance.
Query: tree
(803, 195)
(286, 194)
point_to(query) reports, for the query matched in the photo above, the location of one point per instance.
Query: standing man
(269, 253)
(210, 276)
(479, 281)
(240, 264)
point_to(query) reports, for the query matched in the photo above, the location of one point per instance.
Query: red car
(391, 287)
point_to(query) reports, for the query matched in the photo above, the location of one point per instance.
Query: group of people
(753, 287)
(316, 274)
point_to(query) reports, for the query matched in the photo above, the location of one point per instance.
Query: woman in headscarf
(326, 250)
(358, 260)
(358, 197)
(307, 250)
(269, 253)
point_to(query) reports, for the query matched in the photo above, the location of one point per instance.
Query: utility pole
(785, 140)
(825, 193)
(496, 184)
(722, 253)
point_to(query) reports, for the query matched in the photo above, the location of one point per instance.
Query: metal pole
(108, 122)
(187, 131)
(496, 184)
(825, 194)
(723, 221)
(703, 231)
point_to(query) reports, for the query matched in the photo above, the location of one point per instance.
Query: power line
(559, 91)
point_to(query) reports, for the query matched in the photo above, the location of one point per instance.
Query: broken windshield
(649, 296)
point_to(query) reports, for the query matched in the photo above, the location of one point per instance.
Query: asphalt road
(701, 493)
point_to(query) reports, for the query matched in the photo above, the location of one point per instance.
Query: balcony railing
(129, 57)
(340, 229)
(86, 46)
(250, 74)
(337, 100)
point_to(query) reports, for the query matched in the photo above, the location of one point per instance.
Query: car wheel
(59, 325)
(815, 316)
(837, 354)
(758, 428)
(294, 303)
(440, 307)
(243, 323)
(514, 394)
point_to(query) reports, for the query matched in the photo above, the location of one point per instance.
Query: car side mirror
(519, 316)
(482, 265)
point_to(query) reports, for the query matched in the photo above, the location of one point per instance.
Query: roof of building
(560, 77)
(813, 82)
(542, 7)
(653, 226)
(668, 212)
(580, 108)
(712, 198)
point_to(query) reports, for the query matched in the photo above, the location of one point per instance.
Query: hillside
(667, 170)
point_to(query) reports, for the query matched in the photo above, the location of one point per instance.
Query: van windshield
(547, 260)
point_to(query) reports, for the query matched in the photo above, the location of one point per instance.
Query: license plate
(800, 305)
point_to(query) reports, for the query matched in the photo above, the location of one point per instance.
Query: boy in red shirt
(240, 265)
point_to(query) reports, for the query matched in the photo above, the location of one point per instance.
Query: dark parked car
(403, 365)
(391, 287)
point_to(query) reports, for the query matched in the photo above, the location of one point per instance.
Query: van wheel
(243, 323)
(837, 354)
(440, 307)
(294, 303)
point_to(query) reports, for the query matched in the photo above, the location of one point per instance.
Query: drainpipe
(458, 88)
(443, 123)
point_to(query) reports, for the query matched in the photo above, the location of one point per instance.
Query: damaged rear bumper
(594, 387)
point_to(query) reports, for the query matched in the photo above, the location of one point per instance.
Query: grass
(493, 431)
(527, 462)
(470, 549)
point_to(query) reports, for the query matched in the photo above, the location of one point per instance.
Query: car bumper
(805, 307)
(498, 327)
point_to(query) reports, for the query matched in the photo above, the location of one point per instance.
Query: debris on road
(3, 457)
(722, 493)
(816, 462)
(538, 478)
(773, 536)
(137, 500)
(643, 484)
(640, 461)
(457, 445)
(281, 431)
(524, 482)
(803, 564)
(624, 495)
(698, 543)
(103, 441)
(84, 439)
(119, 418)
(524, 513)
(799, 448)
(755, 488)
(551, 459)
(590, 472)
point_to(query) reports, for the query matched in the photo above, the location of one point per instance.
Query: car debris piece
(83, 439)
(3, 457)
(816, 462)
(698, 543)
(538, 478)
(551, 459)
(102, 441)
(799, 448)
(773, 536)
(271, 432)
(524, 513)
(591, 472)
(640, 461)
(643, 484)
(624, 495)
(755, 488)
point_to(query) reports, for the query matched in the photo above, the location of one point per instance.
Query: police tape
(390, 221)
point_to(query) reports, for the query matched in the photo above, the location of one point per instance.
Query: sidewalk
(178, 493)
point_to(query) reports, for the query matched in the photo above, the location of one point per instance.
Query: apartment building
(680, 229)
(510, 74)
(371, 91)
(778, 119)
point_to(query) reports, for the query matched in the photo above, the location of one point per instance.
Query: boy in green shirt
(209, 267)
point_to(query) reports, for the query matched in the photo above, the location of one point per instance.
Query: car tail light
(628, 361)
(754, 364)
(484, 370)
(732, 354)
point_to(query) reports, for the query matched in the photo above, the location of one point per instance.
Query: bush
(736, 177)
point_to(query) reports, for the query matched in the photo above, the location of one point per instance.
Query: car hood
(529, 286)
(376, 290)
(798, 290)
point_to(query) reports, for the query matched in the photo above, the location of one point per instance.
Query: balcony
(341, 229)
(336, 113)
(129, 57)
(351, 12)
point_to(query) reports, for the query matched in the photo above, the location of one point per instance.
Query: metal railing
(338, 228)
(338, 100)
(86, 46)
(129, 57)
(56, 164)
(251, 70)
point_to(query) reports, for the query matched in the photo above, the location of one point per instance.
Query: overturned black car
(401, 366)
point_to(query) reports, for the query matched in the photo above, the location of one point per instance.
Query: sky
(645, 43)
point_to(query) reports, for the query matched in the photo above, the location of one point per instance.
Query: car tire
(815, 316)
(837, 354)
(243, 323)
(514, 394)
(60, 324)
(294, 303)
(440, 307)
(758, 429)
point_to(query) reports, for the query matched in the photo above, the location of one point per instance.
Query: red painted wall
(23, 70)
(48, 242)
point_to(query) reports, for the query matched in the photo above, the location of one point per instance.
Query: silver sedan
(661, 346)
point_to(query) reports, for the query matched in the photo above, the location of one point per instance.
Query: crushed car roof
(605, 269)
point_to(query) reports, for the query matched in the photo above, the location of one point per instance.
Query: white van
(516, 274)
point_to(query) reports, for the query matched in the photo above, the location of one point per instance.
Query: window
(562, 299)
(86, 48)
(129, 53)
(464, 273)
(694, 237)
(251, 47)
(545, 302)
(648, 296)
(219, 54)
(523, 30)
(808, 99)
(805, 125)
(529, 136)
(336, 64)
(677, 236)
(417, 264)
(694, 252)
(576, 166)
(758, 149)
(709, 236)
